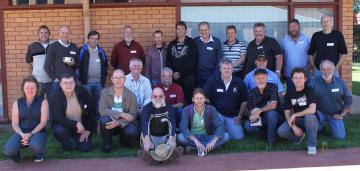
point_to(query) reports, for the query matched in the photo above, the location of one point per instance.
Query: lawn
(356, 77)
(249, 144)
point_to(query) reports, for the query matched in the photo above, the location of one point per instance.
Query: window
(310, 18)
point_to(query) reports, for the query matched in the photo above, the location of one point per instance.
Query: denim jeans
(129, 134)
(45, 89)
(178, 113)
(203, 138)
(269, 121)
(235, 131)
(94, 89)
(37, 145)
(309, 123)
(337, 127)
(67, 137)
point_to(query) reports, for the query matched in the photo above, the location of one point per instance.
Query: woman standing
(29, 117)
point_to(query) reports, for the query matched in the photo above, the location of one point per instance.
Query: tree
(356, 6)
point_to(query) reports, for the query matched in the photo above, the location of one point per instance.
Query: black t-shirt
(299, 100)
(327, 46)
(269, 46)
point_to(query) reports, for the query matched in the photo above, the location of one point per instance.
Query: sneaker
(190, 150)
(143, 155)
(312, 150)
(301, 139)
(178, 151)
(38, 160)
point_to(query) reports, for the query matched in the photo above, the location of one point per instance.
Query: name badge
(202, 121)
(301, 43)
(172, 95)
(330, 44)
(302, 104)
(133, 51)
(72, 52)
(219, 90)
(209, 48)
(97, 60)
(260, 47)
(163, 120)
(335, 90)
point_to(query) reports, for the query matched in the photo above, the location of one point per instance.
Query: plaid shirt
(256, 99)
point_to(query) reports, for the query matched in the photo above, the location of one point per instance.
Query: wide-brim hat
(162, 152)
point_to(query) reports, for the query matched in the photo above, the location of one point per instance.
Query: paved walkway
(355, 108)
(347, 159)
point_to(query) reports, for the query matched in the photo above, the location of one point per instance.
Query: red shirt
(174, 94)
(121, 55)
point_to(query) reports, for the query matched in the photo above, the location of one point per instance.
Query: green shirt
(197, 125)
(118, 104)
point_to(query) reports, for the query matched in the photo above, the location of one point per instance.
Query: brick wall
(347, 29)
(20, 29)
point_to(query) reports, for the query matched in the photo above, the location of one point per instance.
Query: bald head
(64, 34)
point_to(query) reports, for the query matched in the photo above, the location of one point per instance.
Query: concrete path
(337, 159)
(355, 108)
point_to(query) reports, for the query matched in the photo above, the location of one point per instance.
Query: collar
(301, 37)
(124, 42)
(63, 43)
(210, 39)
(323, 81)
(132, 78)
(236, 42)
(229, 81)
(88, 46)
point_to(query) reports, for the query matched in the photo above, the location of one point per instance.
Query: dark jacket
(58, 107)
(214, 125)
(84, 64)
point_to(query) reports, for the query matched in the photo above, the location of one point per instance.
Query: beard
(158, 105)
(327, 77)
(294, 33)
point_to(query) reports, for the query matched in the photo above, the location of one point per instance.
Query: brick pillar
(86, 13)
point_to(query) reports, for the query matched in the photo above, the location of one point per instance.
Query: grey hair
(135, 60)
(324, 62)
(204, 23)
(225, 61)
(167, 69)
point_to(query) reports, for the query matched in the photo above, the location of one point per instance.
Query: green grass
(249, 144)
(356, 77)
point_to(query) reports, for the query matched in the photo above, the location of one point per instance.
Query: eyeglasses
(158, 96)
(118, 78)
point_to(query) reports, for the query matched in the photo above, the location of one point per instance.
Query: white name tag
(209, 48)
(97, 60)
(330, 44)
(260, 47)
(301, 43)
(219, 90)
(172, 95)
(73, 52)
(302, 104)
(133, 51)
(335, 90)
(202, 121)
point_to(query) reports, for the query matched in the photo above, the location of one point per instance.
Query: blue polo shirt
(295, 53)
(272, 78)
(209, 56)
(227, 101)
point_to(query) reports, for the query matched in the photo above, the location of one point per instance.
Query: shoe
(190, 150)
(178, 151)
(301, 139)
(38, 160)
(143, 155)
(312, 150)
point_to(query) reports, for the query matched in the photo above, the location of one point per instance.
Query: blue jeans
(37, 145)
(94, 89)
(45, 89)
(178, 113)
(236, 132)
(269, 123)
(309, 123)
(66, 137)
(337, 127)
(203, 138)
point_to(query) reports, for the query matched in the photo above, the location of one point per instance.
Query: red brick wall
(20, 29)
(347, 29)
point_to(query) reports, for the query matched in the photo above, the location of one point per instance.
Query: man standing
(327, 44)
(267, 44)
(158, 126)
(173, 93)
(118, 110)
(334, 99)
(209, 54)
(181, 57)
(228, 94)
(300, 112)
(125, 50)
(138, 84)
(93, 66)
(295, 47)
(35, 57)
(155, 59)
(234, 50)
(62, 56)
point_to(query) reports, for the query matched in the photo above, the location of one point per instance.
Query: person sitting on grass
(201, 126)
(300, 112)
(29, 116)
(158, 127)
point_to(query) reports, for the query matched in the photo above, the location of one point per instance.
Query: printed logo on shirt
(164, 119)
(330, 44)
(234, 90)
(133, 51)
(172, 95)
(302, 101)
(72, 52)
(335, 90)
(209, 48)
(260, 47)
(219, 90)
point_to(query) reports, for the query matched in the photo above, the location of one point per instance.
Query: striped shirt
(234, 51)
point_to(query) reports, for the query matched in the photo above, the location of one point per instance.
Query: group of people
(192, 95)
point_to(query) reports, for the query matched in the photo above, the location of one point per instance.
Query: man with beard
(158, 126)
(126, 50)
(173, 93)
(333, 99)
(295, 47)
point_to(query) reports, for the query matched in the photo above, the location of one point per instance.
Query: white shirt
(141, 88)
